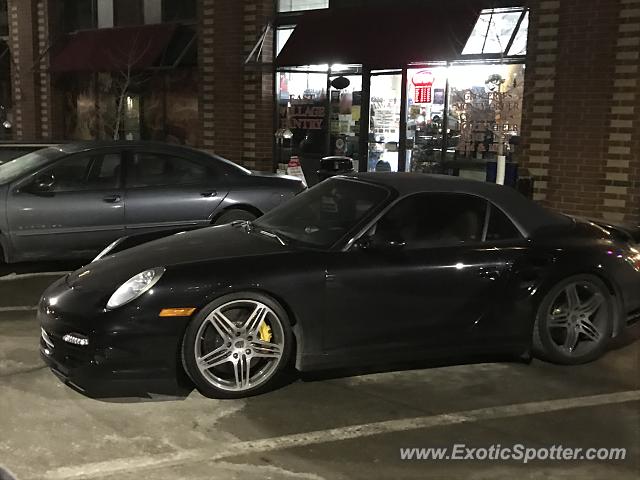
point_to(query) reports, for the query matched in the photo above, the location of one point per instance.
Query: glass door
(346, 103)
(384, 121)
(426, 103)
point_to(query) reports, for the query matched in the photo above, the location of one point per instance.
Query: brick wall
(25, 92)
(581, 105)
(236, 99)
(29, 40)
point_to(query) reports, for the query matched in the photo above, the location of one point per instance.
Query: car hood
(198, 246)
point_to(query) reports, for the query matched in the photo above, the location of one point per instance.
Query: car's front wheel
(239, 345)
(574, 321)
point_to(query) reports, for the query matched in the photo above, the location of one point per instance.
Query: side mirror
(42, 184)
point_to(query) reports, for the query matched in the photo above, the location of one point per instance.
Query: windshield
(323, 214)
(20, 166)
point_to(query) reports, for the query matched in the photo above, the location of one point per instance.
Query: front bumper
(129, 345)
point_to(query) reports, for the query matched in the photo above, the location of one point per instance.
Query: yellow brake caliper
(265, 332)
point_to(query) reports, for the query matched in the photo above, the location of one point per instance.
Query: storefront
(133, 82)
(402, 89)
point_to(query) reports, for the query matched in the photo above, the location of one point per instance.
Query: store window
(426, 90)
(179, 10)
(282, 36)
(302, 113)
(128, 12)
(298, 5)
(384, 121)
(79, 14)
(485, 109)
(4, 19)
(131, 126)
(501, 31)
(182, 124)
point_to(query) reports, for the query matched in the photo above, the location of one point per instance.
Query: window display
(302, 112)
(426, 89)
(485, 108)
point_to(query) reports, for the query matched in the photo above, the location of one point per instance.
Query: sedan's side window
(84, 172)
(151, 169)
(433, 219)
(500, 227)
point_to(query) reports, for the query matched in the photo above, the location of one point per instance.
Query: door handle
(112, 199)
(209, 194)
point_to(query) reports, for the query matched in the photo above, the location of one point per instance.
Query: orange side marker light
(177, 312)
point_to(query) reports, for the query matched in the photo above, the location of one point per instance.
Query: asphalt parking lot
(322, 427)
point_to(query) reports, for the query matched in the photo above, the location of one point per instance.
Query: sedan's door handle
(211, 193)
(112, 199)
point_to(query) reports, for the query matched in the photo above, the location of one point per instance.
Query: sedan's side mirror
(42, 184)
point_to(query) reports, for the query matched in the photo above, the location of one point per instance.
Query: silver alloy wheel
(576, 320)
(230, 349)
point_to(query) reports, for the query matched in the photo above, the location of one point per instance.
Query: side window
(150, 169)
(79, 173)
(424, 220)
(500, 227)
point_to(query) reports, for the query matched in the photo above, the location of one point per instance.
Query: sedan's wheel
(574, 321)
(237, 346)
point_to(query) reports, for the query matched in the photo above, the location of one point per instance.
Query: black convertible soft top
(526, 214)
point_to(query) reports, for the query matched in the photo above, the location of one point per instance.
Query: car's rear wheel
(574, 321)
(233, 215)
(238, 346)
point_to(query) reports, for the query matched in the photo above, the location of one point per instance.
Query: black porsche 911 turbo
(359, 270)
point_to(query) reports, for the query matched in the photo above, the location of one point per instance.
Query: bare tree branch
(130, 59)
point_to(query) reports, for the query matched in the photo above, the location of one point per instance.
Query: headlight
(134, 287)
(107, 250)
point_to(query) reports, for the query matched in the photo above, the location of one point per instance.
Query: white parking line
(21, 276)
(215, 452)
(18, 309)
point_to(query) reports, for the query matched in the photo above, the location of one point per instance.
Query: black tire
(547, 348)
(277, 377)
(234, 214)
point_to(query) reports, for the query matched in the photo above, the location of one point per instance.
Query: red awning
(381, 37)
(113, 49)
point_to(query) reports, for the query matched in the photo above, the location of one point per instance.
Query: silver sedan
(70, 201)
